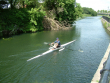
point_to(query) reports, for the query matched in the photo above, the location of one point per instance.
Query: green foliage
(50, 4)
(0, 31)
(36, 17)
(78, 10)
(32, 3)
(64, 9)
(89, 11)
(30, 17)
(22, 19)
(28, 3)
(14, 17)
(105, 24)
(103, 11)
(69, 11)
(85, 15)
(109, 25)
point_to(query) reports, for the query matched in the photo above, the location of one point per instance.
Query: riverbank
(97, 75)
(48, 22)
(105, 23)
(83, 16)
(51, 24)
(38, 16)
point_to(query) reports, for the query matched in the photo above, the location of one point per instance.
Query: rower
(56, 43)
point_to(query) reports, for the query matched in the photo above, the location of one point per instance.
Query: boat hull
(51, 50)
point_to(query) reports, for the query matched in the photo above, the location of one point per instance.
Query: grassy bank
(85, 15)
(105, 24)
(106, 15)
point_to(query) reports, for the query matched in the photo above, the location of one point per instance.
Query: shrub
(22, 19)
(36, 17)
(11, 18)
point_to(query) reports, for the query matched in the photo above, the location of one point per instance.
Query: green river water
(77, 63)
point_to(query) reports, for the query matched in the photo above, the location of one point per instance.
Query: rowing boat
(51, 50)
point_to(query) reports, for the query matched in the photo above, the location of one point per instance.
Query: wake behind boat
(51, 50)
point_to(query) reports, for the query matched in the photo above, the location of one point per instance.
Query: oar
(46, 43)
(70, 49)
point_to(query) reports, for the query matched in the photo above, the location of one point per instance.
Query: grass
(85, 15)
(109, 25)
(107, 16)
(105, 24)
(97, 81)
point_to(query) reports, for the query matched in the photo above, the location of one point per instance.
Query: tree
(105, 11)
(98, 11)
(68, 12)
(32, 3)
(89, 11)
(64, 9)
(78, 10)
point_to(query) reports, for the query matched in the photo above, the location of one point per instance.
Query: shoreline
(105, 24)
(97, 74)
(48, 23)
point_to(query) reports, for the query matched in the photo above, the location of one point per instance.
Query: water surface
(77, 63)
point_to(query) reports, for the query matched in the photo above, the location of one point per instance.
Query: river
(77, 63)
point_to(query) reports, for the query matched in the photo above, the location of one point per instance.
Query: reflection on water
(77, 65)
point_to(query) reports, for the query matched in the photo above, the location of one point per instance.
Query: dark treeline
(21, 17)
(89, 11)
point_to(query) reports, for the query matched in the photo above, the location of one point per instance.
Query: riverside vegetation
(105, 22)
(32, 15)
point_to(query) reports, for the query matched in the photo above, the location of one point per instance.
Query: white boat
(51, 50)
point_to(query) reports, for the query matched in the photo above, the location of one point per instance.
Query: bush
(11, 18)
(22, 19)
(64, 9)
(36, 17)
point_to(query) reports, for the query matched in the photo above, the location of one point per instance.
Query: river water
(77, 63)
